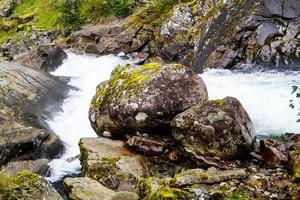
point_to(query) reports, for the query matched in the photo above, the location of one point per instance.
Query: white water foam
(72, 123)
(265, 96)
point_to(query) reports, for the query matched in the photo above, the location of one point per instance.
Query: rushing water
(265, 95)
(72, 123)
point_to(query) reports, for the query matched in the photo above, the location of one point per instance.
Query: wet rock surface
(46, 58)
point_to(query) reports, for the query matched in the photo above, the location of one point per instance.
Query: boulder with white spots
(144, 99)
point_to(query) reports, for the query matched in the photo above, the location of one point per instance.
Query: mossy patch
(125, 79)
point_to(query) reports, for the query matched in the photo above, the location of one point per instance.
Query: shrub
(70, 13)
(121, 8)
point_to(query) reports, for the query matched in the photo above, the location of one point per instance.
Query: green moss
(219, 102)
(125, 79)
(236, 195)
(20, 185)
(297, 174)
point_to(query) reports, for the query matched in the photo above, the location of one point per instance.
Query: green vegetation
(295, 101)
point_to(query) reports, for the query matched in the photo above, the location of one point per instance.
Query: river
(265, 95)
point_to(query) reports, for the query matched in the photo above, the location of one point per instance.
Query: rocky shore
(160, 137)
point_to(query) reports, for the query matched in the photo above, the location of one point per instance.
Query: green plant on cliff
(294, 103)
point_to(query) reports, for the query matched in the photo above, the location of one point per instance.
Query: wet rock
(26, 185)
(39, 166)
(30, 93)
(221, 58)
(265, 32)
(294, 160)
(211, 176)
(273, 153)
(28, 143)
(144, 98)
(47, 57)
(111, 163)
(218, 129)
(6, 7)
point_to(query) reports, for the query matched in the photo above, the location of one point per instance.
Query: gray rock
(144, 98)
(111, 163)
(200, 176)
(39, 166)
(265, 32)
(218, 128)
(291, 9)
(6, 7)
(47, 58)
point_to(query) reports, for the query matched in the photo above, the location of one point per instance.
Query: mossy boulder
(219, 128)
(111, 163)
(26, 185)
(144, 98)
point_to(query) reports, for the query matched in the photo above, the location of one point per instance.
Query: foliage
(121, 8)
(70, 13)
(295, 102)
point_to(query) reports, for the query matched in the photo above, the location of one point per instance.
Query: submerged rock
(144, 98)
(89, 189)
(111, 163)
(26, 185)
(218, 129)
(47, 57)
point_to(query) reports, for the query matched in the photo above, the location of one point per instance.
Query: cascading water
(265, 95)
(72, 123)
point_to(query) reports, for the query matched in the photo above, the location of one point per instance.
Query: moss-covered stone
(26, 185)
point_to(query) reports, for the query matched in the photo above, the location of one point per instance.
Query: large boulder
(26, 185)
(111, 163)
(88, 189)
(47, 57)
(218, 129)
(144, 98)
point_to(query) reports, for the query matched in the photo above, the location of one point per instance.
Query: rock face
(89, 189)
(24, 90)
(47, 57)
(26, 185)
(27, 98)
(111, 163)
(218, 128)
(144, 98)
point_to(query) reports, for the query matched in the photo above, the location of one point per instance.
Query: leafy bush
(121, 8)
(70, 13)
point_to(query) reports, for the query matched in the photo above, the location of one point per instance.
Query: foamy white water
(72, 123)
(265, 96)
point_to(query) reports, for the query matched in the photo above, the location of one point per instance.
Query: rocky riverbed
(159, 135)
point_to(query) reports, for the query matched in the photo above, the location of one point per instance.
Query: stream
(265, 96)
